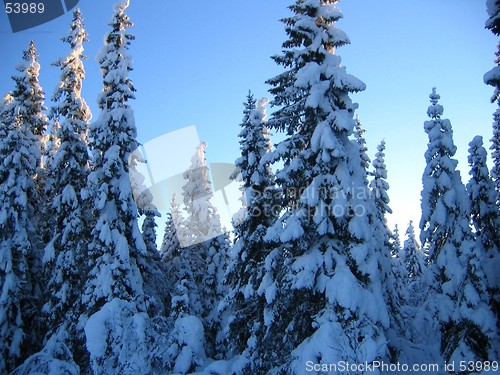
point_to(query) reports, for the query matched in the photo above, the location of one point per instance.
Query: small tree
(359, 135)
(414, 258)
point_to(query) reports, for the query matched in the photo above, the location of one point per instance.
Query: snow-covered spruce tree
(243, 304)
(379, 184)
(414, 263)
(29, 92)
(29, 100)
(18, 164)
(66, 172)
(460, 302)
(392, 273)
(170, 243)
(321, 282)
(359, 135)
(395, 242)
(414, 258)
(150, 264)
(118, 332)
(197, 266)
(485, 217)
(493, 78)
(23, 124)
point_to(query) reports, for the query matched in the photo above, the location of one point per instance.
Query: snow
(96, 331)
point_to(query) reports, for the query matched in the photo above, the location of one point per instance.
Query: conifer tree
(485, 216)
(395, 242)
(29, 96)
(493, 78)
(414, 258)
(195, 250)
(170, 244)
(323, 242)
(379, 184)
(20, 149)
(392, 273)
(16, 245)
(455, 260)
(113, 295)
(246, 268)
(66, 173)
(359, 135)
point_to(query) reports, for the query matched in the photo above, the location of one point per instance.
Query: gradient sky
(196, 60)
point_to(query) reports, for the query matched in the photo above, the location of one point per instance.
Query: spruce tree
(414, 258)
(392, 273)
(395, 242)
(485, 216)
(379, 184)
(243, 303)
(493, 78)
(197, 265)
(455, 260)
(114, 295)
(359, 135)
(323, 243)
(170, 243)
(23, 123)
(66, 173)
(19, 161)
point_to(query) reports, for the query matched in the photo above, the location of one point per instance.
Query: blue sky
(196, 60)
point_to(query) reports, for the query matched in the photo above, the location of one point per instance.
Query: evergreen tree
(196, 266)
(359, 135)
(170, 244)
(20, 150)
(493, 78)
(485, 216)
(395, 242)
(29, 96)
(455, 260)
(18, 156)
(392, 272)
(379, 184)
(414, 258)
(113, 295)
(243, 304)
(324, 244)
(66, 172)
(202, 220)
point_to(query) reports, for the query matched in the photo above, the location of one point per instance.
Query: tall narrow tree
(65, 179)
(114, 286)
(455, 260)
(485, 217)
(243, 309)
(493, 78)
(20, 158)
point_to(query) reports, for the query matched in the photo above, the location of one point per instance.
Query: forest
(310, 279)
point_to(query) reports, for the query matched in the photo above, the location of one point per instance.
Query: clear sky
(196, 60)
